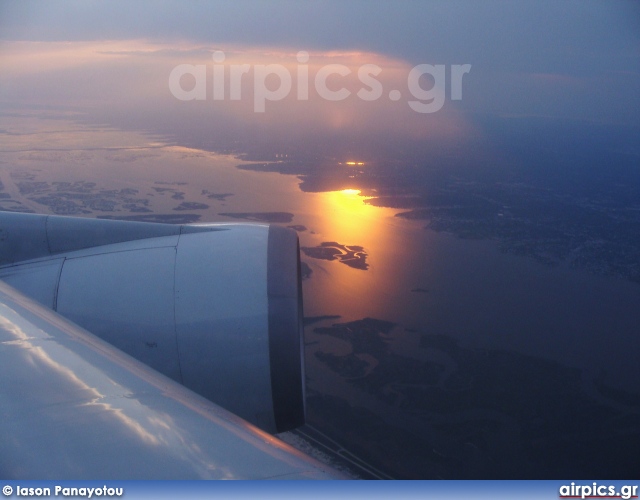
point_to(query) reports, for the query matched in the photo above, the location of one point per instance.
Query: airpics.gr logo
(424, 100)
(596, 490)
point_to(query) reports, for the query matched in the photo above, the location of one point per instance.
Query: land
(77, 197)
(490, 413)
(88, 198)
(282, 217)
(161, 218)
(216, 196)
(552, 228)
(175, 194)
(350, 255)
(191, 205)
(310, 320)
(62, 187)
(587, 219)
(305, 270)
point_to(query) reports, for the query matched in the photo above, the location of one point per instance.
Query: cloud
(126, 82)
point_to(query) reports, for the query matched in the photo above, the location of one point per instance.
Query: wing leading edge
(73, 407)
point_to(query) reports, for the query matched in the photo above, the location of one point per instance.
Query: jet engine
(216, 307)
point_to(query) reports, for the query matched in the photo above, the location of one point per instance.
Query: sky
(571, 60)
(517, 34)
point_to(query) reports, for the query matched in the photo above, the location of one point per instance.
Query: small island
(191, 205)
(283, 217)
(350, 255)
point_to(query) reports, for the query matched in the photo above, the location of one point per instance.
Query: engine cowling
(217, 308)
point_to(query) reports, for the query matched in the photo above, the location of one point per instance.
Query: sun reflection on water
(350, 192)
(346, 218)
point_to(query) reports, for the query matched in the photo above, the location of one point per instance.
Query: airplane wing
(195, 322)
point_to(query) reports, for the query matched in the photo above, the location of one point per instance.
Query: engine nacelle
(217, 308)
